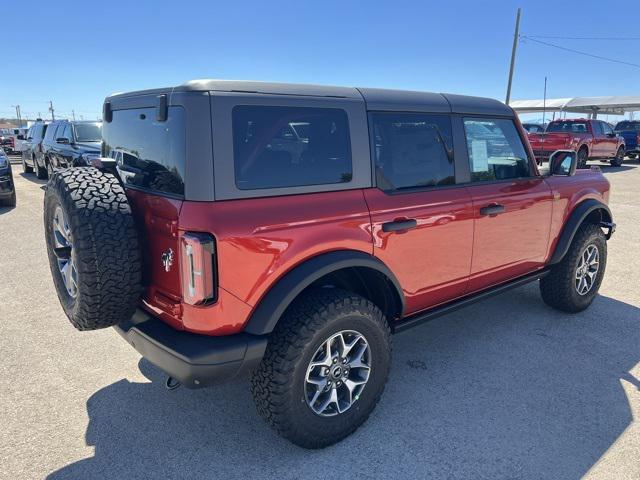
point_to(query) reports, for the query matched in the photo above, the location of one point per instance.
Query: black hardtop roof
(375, 98)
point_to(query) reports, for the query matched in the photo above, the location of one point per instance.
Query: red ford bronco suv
(289, 230)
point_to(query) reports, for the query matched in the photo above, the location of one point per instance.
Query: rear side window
(496, 151)
(50, 131)
(38, 132)
(149, 154)
(570, 127)
(412, 150)
(631, 126)
(277, 147)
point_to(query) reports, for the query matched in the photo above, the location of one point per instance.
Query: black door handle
(492, 210)
(399, 225)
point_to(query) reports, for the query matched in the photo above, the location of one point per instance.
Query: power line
(586, 54)
(557, 37)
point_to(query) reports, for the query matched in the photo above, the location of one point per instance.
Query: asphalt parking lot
(507, 388)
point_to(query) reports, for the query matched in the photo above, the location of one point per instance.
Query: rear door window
(277, 147)
(496, 151)
(597, 128)
(149, 154)
(412, 150)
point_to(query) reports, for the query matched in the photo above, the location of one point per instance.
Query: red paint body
(454, 250)
(598, 145)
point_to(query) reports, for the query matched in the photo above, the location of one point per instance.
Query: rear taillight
(638, 139)
(197, 268)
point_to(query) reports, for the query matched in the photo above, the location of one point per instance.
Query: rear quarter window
(150, 155)
(277, 147)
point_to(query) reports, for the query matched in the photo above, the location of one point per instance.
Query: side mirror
(62, 140)
(612, 135)
(563, 162)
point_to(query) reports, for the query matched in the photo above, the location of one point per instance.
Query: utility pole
(73, 115)
(53, 118)
(516, 38)
(544, 101)
(17, 107)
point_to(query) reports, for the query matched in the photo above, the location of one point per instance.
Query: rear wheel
(619, 158)
(50, 169)
(26, 168)
(93, 247)
(41, 172)
(573, 283)
(583, 156)
(324, 369)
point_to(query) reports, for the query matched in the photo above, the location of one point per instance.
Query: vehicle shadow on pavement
(31, 177)
(6, 209)
(508, 388)
(606, 168)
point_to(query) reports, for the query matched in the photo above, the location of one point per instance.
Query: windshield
(573, 127)
(633, 126)
(88, 132)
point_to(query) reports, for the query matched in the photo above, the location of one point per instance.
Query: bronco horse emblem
(167, 259)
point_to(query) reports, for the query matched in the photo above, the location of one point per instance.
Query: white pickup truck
(12, 140)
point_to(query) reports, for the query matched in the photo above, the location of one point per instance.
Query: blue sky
(76, 53)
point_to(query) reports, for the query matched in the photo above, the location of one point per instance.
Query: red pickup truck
(592, 139)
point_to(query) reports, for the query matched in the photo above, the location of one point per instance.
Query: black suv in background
(33, 148)
(70, 144)
(7, 188)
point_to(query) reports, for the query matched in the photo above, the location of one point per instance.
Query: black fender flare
(579, 214)
(274, 303)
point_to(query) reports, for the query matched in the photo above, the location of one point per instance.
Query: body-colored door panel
(513, 242)
(431, 261)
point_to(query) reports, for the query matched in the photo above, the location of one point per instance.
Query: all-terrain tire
(558, 288)
(41, 172)
(619, 158)
(105, 247)
(278, 384)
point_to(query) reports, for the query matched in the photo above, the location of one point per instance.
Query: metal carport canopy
(605, 105)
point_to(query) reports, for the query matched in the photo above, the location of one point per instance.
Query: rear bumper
(196, 361)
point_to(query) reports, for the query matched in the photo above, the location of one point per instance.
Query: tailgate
(550, 142)
(630, 138)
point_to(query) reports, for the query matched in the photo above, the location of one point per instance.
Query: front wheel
(573, 283)
(619, 158)
(324, 369)
(9, 202)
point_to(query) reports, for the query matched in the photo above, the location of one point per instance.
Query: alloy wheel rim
(63, 250)
(587, 269)
(337, 373)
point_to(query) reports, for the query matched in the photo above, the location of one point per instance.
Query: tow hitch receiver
(172, 383)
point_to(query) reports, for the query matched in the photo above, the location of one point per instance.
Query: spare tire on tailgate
(93, 247)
